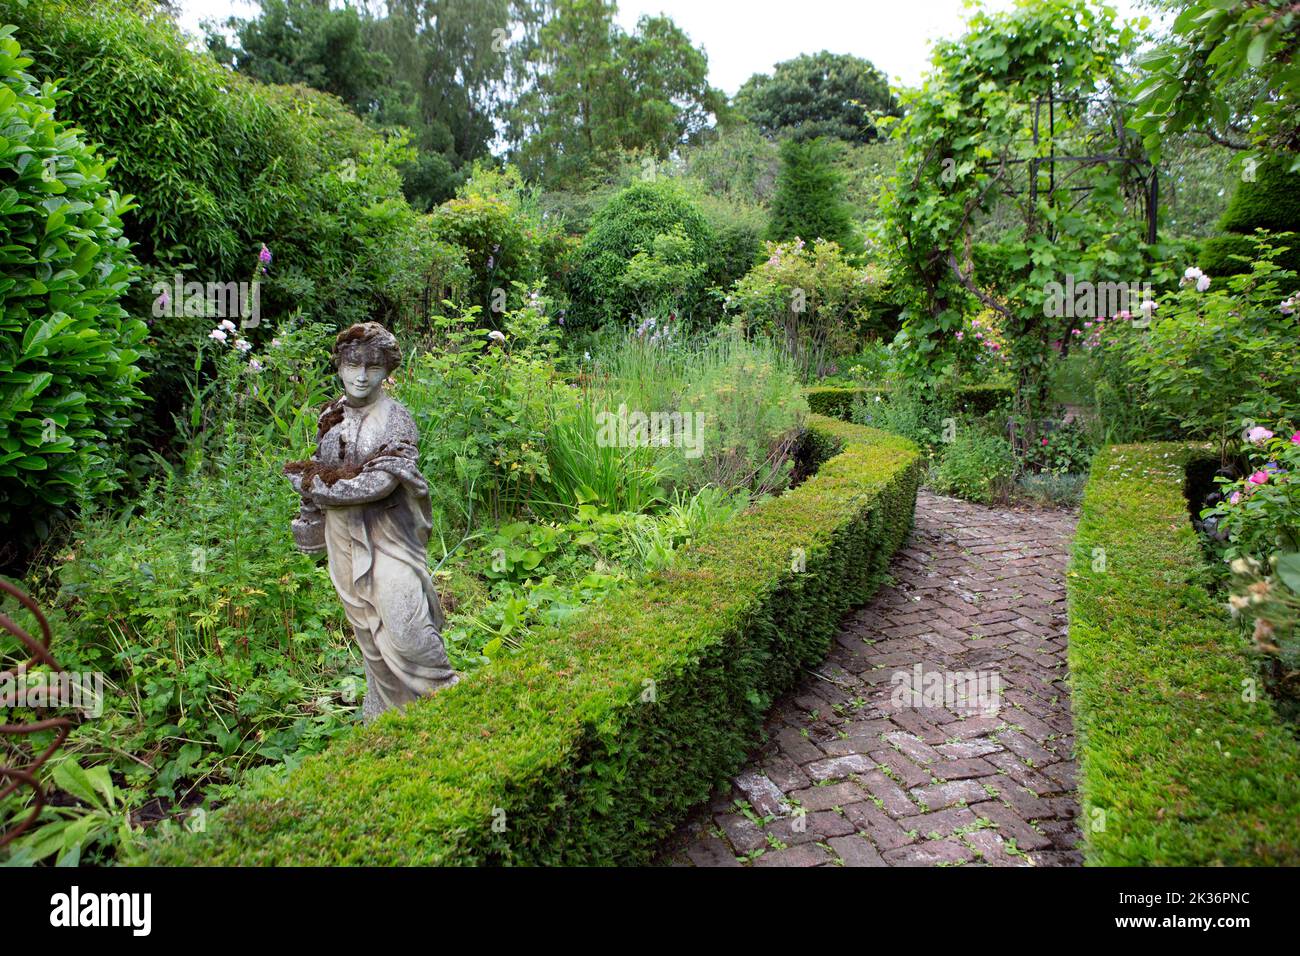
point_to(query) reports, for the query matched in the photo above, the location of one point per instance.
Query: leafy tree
(1229, 70)
(819, 94)
(441, 68)
(807, 202)
(303, 41)
(593, 90)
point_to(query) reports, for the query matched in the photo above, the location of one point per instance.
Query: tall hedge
(68, 373)
(594, 741)
(1271, 201)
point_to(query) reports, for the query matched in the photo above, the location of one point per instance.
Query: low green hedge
(594, 741)
(836, 401)
(1176, 768)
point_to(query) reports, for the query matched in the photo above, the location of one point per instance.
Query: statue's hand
(295, 480)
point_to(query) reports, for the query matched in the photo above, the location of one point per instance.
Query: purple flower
(265, 255)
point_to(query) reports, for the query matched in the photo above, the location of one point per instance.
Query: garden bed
(594, 741)
(1178, 764)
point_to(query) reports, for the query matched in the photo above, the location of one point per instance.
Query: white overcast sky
(743, 37)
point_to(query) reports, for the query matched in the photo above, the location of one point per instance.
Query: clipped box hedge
(593, 742)
(1176, 768)
(836, 401)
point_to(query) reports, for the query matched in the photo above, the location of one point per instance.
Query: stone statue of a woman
(366, 504)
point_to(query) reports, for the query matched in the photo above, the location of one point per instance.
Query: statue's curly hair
(369, 338)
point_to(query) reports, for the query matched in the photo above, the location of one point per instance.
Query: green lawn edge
(590, 745)
(1175, 767)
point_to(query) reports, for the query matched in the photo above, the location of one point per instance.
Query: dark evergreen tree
(807, 202)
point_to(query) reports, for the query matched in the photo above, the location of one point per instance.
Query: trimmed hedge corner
(1176, 769)
(836, 401)
(594, 741)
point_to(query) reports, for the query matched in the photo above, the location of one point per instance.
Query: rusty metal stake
(25, 776)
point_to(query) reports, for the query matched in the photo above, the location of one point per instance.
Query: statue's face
(361, 381)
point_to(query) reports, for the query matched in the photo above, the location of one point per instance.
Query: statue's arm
(364, 488)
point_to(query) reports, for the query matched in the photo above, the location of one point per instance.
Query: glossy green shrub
(629, 223)
(1183, 760)
(68, 369)
(591, 744)
(499, 248)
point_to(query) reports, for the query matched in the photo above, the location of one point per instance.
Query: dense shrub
(1213, 360)
(625, 716)
(1180, 762)
(68, 366)
(629, 224)
(221, 164)
(1271, 201)
(498, 249)
(810, 297)
(499, 223)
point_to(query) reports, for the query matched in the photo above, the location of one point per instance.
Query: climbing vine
(987, 138)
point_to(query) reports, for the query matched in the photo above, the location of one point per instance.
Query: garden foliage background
(548, 255)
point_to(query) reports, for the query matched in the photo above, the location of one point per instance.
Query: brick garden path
(883, 780)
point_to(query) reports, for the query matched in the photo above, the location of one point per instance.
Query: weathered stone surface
(364, 502)
(763, 795)
(856, 851)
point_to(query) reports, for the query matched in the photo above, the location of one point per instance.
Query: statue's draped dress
(376, 535)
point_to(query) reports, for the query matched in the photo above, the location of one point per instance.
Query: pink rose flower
(1295, 439)
(1236, 497)
(1258, 434)
(1259, 478)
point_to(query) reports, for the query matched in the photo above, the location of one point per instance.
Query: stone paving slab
(938, 730)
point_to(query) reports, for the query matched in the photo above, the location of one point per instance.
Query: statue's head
(364, 355)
